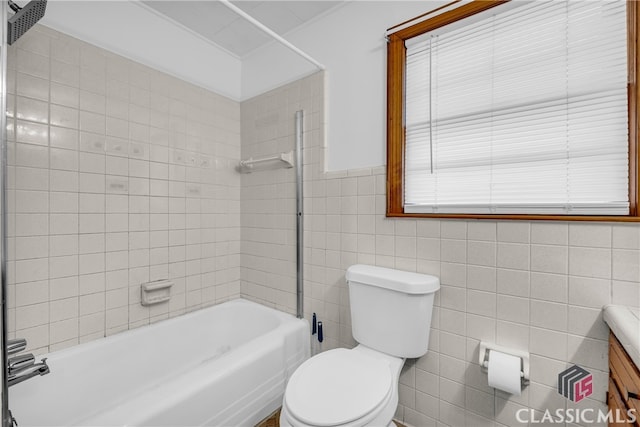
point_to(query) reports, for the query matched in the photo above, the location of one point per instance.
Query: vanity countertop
(624, 322)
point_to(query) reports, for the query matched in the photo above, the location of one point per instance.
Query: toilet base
(284, 422)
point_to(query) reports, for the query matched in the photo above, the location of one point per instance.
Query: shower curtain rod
(270, 32)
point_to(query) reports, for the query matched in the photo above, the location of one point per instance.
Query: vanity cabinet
(624, 384)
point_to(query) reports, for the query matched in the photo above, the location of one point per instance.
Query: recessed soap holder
(155, 292)
(483, 358)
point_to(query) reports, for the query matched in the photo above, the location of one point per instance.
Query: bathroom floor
(272, 421)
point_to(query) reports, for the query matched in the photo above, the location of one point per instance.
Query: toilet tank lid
(397, 280)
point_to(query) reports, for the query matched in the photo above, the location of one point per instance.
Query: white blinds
(521, 111)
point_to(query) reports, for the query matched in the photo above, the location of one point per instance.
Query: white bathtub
(222, 366)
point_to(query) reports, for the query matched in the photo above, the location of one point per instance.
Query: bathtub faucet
(23, 367)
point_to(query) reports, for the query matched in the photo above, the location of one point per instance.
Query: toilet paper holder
(483, 359)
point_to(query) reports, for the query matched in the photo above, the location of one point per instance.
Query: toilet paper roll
(504, 372)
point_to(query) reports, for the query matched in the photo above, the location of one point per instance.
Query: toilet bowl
(391, 318)
(341, 387)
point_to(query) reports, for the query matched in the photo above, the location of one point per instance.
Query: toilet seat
(338, 387)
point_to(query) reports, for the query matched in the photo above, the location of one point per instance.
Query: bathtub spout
(30, 371)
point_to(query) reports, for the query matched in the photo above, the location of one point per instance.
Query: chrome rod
(7, 419)
(299, 217)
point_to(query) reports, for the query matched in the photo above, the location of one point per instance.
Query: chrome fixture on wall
(299, 217)
(24, 366)
(24, 18)
(247, 165)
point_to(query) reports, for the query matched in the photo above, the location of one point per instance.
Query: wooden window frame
(396, 59)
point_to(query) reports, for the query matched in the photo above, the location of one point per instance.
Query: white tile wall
(118, 175)
(268, 200)
(536, 286)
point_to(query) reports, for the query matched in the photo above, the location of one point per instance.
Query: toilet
(390, 320)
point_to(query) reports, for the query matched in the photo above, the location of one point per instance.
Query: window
(514, 110)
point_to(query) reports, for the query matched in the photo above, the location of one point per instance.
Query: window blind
(520, 111)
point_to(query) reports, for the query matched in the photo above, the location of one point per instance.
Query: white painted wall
(270, 67)
(131, 30)
(349, 42)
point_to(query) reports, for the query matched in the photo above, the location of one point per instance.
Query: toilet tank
(391, 309)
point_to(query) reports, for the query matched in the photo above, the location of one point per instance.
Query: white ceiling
(202, 41)
(220, 25)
